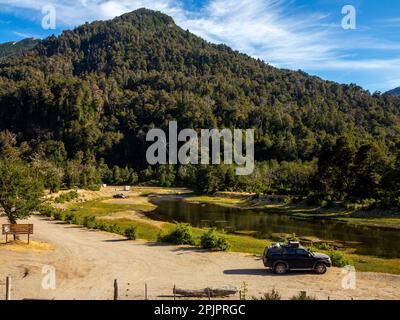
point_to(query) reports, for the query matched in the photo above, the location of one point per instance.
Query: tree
(335, 166)
(370, 165)
(20, 191)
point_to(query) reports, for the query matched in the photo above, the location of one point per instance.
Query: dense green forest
(77, 108)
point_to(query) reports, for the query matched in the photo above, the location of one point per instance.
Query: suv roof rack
(295, 244)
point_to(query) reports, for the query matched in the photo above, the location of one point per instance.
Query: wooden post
(8, 288)
(208, 294)
(174, 292)
(115, 289)
(145, 291)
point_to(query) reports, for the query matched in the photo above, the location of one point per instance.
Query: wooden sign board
(16, 229)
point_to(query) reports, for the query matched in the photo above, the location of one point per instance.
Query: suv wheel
(280, 268)
(320, 268)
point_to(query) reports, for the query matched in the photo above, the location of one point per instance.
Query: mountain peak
(146, 17)
(395, 92)
(16, 48)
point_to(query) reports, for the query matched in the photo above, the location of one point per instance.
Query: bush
(89, 222)
(130, 233)
(323, 246)
(101, 226)
(66, 197)
(93, 187)
(47, 211)
(303, 296)
(69, 217)
(211, 240)
(58, 215)
(76, 220)
(72, 219)
(272, 296)
(339, 259)
(114, 229)
(182, 234)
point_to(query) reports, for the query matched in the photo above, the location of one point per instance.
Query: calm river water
(366, 241)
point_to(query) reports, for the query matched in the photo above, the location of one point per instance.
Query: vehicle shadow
(263, 272)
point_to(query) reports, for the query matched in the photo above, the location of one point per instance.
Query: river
(364, 240)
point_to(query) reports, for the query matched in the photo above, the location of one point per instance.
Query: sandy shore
(87, 262)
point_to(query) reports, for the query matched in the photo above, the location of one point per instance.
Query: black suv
(292, 256)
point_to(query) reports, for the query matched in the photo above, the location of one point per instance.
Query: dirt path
(86, 263)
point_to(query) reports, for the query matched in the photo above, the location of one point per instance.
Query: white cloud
(23, 35)
(268, 29)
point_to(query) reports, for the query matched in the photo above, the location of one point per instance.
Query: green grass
(99, 208)
(145, 230)
(221, 201)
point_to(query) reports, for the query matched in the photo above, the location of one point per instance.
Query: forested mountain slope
(8, 49)
(395, 92)
(98, 88)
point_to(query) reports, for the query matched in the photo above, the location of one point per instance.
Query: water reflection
(367, 241)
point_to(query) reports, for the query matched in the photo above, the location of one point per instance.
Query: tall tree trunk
(16, 236)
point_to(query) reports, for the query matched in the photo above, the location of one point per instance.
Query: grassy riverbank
(374, 219)
(137, 211)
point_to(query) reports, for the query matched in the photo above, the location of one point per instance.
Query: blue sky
(294, 34)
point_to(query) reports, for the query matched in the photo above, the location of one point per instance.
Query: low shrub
(69, 217)
(72, 219)
(89, 222)
(339, 259)
(323, 246)
(66, 197)
(211, 240)
(181, 235)
(58, 215)
(303, 296)
(76, 220)
(287, 200)
(48, 211)
(114, 228)
(101, 226)
(315, 199)
(130, 233)
(271, 296)
(93, 187)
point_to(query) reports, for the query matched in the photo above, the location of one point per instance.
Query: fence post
(145, 291)
(8, 288)
(115, 289)
(174, 292)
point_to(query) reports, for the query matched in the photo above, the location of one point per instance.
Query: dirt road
(87, 262)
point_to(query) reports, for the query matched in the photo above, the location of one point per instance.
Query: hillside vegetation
(8, 49)
(77, 108)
